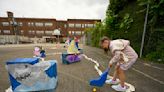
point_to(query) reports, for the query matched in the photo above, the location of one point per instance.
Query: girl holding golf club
(123, 55)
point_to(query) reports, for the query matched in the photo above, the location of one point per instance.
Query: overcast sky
(59, 9)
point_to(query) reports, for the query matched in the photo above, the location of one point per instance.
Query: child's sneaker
(111, 81)
(119, 88)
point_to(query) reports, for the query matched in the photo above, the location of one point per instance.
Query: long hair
(102, 41)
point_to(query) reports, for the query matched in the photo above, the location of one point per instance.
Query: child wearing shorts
(123, 55)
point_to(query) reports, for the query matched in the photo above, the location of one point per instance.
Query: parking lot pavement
(145, 76)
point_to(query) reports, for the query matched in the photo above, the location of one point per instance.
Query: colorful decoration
(72, 49)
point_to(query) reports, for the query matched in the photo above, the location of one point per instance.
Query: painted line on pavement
(146, 75)
(149, 65)
(57, 53)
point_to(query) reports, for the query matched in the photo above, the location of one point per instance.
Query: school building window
(31, 32)
(77, 32)
(71, 25)
(70, 32)
(65, 25)
(30, 24)
(39, 24)
(39, 32)
(83, 25)
(90, 25)
(5, 23)
(48, 24)
(20, 23)
(78, 25)
(86, 25)
(48, 32)
(6, 31)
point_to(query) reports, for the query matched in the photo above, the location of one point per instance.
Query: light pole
(58, 36)
(144, 31)
(15, 30)
(14, 25)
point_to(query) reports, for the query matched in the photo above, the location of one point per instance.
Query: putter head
(99, 82)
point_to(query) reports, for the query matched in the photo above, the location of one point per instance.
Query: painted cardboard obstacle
(29, 75)
(72, 55)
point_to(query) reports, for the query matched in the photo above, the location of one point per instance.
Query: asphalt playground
(144, 76)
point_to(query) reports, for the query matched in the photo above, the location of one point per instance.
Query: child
(67, 42)
(42, 54)
(36, 51)
(123, 55)
(76, 42)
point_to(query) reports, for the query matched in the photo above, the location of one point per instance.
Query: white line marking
(146, 64)
(58, 48)
(161, 82)
(9, 89)
(58, 53)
